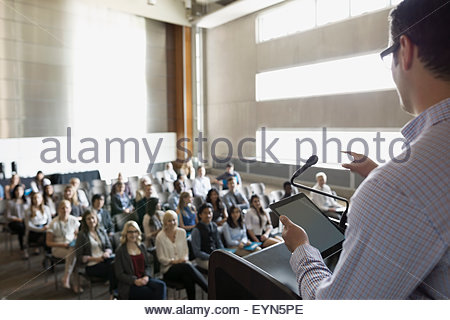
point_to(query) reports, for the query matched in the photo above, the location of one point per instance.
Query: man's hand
(293, 235)
(361, 164)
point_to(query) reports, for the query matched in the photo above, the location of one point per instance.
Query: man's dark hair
(203, 207)
(97, 196)
(426, 23)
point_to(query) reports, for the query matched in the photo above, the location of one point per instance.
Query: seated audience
(201, 184)
(229, 173)
(220, 213)
(169, 174)
(37, 220)
(175, 195)
(187, 170)
(94, 250)
(327, 204)
(187, 214)
(50, 198)
(152, 222)
(120, 201)
(259, 225)
(234, 197)
(142, 183)
(184, 186)
(71, 195)
(37, 185)
(61, 237)
(15, 215)
(81, 194)
(132, 268)
(205, 237)
(235, 233)
(9, 188)
(287, 190)
(173, 253)
(103, 215)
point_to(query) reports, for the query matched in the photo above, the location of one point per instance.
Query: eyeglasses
(386, 55)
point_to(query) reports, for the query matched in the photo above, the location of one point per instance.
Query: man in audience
(104, 217)
(234, 197)
(81, 194)
(397, 241)
(143, 206)
(223, 178)
(169, 174)
(127, 191)
(202, 184)
(328, 205)
(205, 236)
(175, 195)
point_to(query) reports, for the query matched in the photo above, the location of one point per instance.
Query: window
(301, 15)
(358, 74)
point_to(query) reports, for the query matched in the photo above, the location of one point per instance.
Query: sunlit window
(331, 11)
(301, 15)
(295, 146)
(109, 82)
(358, 74)
(363, 6)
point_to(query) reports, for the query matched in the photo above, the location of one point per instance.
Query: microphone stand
(344, 214)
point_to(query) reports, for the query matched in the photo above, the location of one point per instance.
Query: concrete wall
(232, 59)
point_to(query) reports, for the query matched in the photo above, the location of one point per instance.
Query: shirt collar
(433, 115)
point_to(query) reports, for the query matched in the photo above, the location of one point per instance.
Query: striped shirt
(397, 240)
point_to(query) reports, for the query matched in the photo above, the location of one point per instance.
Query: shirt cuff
(302, 253)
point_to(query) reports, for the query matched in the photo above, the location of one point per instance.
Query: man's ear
(406, 52)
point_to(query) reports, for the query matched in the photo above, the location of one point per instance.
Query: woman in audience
(94, 249)
(120, 201)
(15, 214)
(132, 268)
(169, 174)
(187, 215)
(81, 194)
(71, 196)
(173, 253)
(187, 170)
(153, 220)
(9, 189)
(61, 236)
(205, 237)
(37, 185)
(37, 220)
(50, 199)
(259, 225)
(235, 233)
(140, 193)
(220, 213)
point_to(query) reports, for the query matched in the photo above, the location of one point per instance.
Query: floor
(18, 281)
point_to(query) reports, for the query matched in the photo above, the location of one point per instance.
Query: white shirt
(201, 186)
(168, 250)
(41, 218)
(64, 232)
(323, 202)
(252, 222)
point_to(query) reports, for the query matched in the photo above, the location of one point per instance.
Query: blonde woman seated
(235, 234)
(94, 249)
(187, 215)
(61, 236)
(132, 268)
(259, 226)
(70, 195)
(172, 251)
(37, 220)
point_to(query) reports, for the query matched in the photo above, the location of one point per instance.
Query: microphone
(309, 163)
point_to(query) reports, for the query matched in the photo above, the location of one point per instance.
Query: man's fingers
(285, 221)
